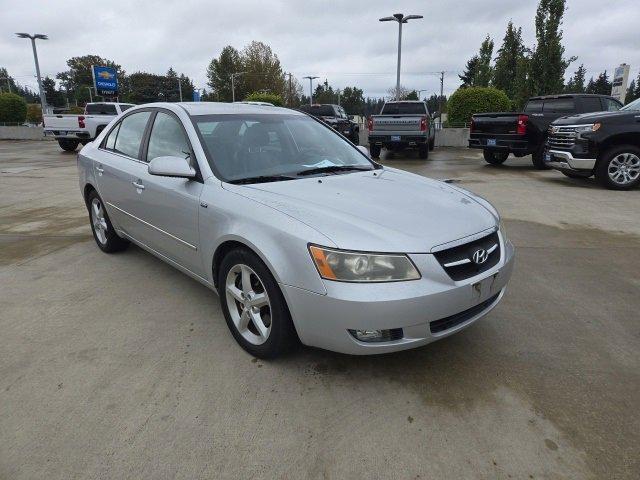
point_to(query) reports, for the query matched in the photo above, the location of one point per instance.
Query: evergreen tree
(352, 100)
(576, 83)
(631, 92)
(601, 85)
(468, 77)
(485, 70)
(509, 54)
(548, 64)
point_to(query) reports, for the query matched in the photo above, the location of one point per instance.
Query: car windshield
(319, 110)
(242, 146)
(633, 106)
(404, 108)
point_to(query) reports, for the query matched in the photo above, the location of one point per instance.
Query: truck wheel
(423, 151)
(619, 168)
(68, 145)
(374, 150)
(495, 158)
(355, 138)
(432, 144)
(537, 158)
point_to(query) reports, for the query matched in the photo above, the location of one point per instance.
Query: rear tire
(374, 150)
(537, 158)
(495, 158)
(253, 305)
(619, 168)
(355, 138)
(68, 145)
(423, 151)
(432, 144)
(103, 232)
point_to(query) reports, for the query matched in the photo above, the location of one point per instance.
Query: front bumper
(563, 160)
(324, 320)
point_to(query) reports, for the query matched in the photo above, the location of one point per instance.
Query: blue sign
(105, 79)
(196, 95)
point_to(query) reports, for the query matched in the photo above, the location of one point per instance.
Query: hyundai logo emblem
(480, 256)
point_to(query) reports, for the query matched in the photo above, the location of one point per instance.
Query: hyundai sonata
(303, 236)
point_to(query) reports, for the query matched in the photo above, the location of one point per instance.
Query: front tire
(495, 158)
(619, 168)
(68, 145)
(374, 150)
(537, 158)
(103, 232)
(253, 305)
(432, 143)
(423, 151)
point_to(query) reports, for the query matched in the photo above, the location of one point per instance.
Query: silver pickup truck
(401, 125)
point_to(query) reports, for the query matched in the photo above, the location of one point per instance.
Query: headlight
(594, 127)
(344, 266)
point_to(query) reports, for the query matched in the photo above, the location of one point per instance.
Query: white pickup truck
(72, 130)
(400, 125)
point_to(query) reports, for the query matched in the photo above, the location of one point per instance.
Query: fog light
(371, 336)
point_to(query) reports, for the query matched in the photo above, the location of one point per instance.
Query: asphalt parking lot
(121, 367)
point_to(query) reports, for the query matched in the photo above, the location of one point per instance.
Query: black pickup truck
(604, 144)
(336, 118)
(524, 133)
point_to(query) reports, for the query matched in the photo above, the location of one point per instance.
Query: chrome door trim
(187, 244)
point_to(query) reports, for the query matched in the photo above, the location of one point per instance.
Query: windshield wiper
(262, 179)
(334, 168)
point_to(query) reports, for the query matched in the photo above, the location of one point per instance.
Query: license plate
(62, 132)
(491, 142)
(485, 287)
(548, 157)
(395, 138)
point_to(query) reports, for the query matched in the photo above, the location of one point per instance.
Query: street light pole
(180, 88)
(400, 18)
(33, 38)
(310, 88)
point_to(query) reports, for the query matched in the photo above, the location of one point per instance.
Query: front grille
(446, 323)
(458, 261)
(561, 137)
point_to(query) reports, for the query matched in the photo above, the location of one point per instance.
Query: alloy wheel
(248, 304)
(624, 168)
(99, 221)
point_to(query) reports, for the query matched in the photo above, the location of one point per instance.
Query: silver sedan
(302, 235)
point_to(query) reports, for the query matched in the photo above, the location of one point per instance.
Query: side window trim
(117, 125)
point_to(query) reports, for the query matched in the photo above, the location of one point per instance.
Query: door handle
(99, 169)
(138, 185)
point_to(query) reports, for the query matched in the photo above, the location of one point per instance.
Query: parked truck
(604, 144)
(73, 130)
(524, 133)
(401, 125)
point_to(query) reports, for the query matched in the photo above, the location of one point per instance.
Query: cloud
(337, 40)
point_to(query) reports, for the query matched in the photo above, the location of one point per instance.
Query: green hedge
(13, 108)
(466, 101)
(265, 97)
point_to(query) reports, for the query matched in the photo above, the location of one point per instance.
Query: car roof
(570, 95)
(405, 101)
(213, 108)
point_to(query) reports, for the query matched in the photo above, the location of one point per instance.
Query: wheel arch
(88, 188)
(619, 140)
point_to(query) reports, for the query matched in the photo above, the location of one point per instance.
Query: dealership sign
(105, 80)
(619, 84)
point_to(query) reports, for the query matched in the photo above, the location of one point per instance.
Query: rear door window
(130, 134)
(559, 105)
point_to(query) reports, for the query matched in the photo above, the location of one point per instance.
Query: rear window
(611, 105)
(533, 106)
(591, 104)
(404, 108)
(319, 110)
(100, 109)
(559, 105)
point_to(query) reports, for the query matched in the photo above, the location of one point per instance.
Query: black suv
(604, 144)
(336, 117)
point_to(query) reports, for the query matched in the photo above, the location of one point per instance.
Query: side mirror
(171, 167)
(364, 150)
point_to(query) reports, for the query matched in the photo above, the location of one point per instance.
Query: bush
(466, 101)
(265, 97)
(13, 108)
(34, 113)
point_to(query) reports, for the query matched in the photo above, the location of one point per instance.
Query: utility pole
(180, 88)
(290, 93)
(33, 38)
(310, 89)
(400, 18)
(233, 85)
(440, 98)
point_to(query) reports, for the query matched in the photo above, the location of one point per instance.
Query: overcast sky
(338, 40)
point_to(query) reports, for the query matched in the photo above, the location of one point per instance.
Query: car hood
(589, 117)
(391, 211)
